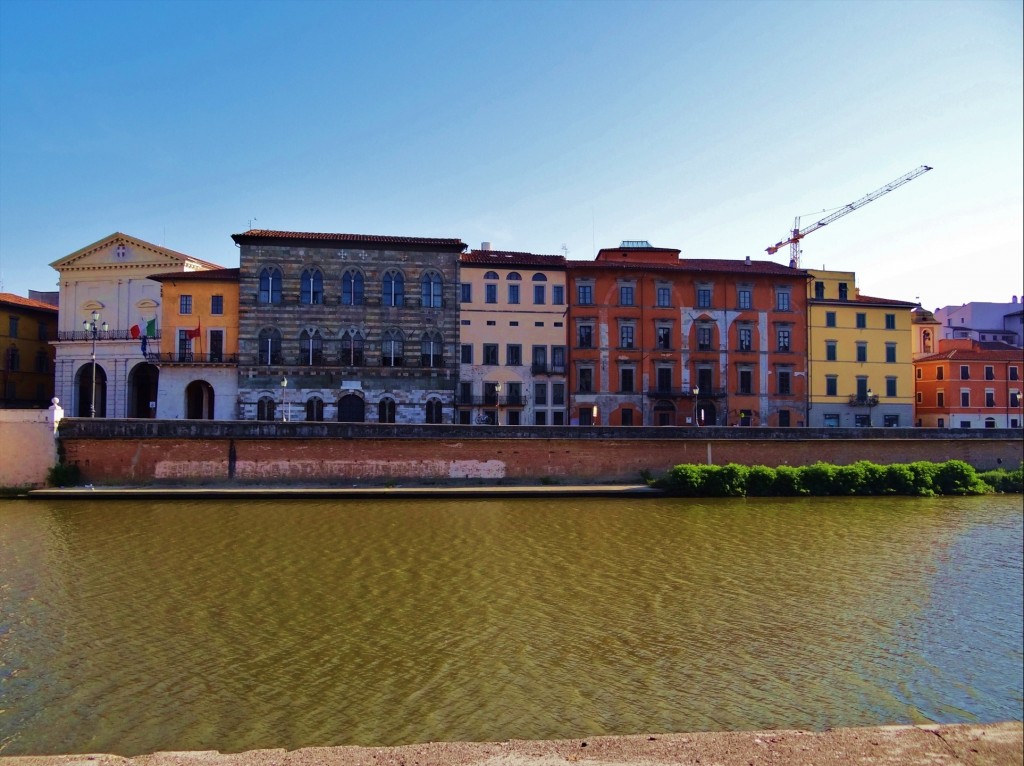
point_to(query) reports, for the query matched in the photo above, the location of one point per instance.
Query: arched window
(539, 278)
(270, 346)
(430, 290)
(514, 276)
(491, 275)
(270, 285)
(312, 290)
(352, 349)
(386, 410)
(392, 349)
(926, 341)
(314, 408)
(265, 408)
(394, 289)
(352, 288)
(430, 350)
(312, 345)
(351, 409)
(434, 410)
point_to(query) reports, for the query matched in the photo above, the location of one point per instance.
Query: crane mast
(798, 234)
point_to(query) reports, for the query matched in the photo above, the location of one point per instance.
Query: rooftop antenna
(250, 222)
(565, 250)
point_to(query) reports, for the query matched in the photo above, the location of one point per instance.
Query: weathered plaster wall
(27, 447)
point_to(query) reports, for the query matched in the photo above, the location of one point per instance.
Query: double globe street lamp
(93, 327)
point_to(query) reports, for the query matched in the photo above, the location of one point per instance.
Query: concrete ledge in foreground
(1000, 744)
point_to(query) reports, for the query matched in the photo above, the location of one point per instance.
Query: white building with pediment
(106, 286)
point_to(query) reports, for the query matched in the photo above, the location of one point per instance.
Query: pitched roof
(511, 258)
(197, 276)
(11, 299)
(259, 235)
(699, 265)
(865, 300)
(117, 235)
(985, 351)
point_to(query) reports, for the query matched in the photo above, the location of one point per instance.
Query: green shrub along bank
(921, 479)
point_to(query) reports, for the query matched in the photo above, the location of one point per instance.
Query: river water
(227, 625)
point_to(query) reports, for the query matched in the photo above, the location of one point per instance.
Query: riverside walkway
(1000, 744)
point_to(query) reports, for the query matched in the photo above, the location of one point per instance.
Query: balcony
(547, 369)
(192, 358)
(490, 400)
(85, 335)
(686, 393)
(870, 400)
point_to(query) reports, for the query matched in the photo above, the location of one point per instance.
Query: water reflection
(215, 625)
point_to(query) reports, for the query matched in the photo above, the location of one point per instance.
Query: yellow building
(198, 358)
(859, 357)
(512, 334)
(26, 367)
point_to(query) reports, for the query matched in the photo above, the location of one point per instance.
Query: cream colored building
(513, 353)
(110, 307)
(860, 355)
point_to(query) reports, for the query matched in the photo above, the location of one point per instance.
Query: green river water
(229, 625)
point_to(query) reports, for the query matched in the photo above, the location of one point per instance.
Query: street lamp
(696, 393)
(497, 403)
(284, 400)
(871, 401)
(93, 328)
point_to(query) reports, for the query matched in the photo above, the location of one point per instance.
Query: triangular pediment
(123, 251)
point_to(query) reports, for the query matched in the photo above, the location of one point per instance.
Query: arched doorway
(664, 413)
(199, 400)
(314, 409)
(86, 390)
(142, 389)
(351, 409)
(707, 414)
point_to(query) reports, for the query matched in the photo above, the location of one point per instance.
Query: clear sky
(533, 125)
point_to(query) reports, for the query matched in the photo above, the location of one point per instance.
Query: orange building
(969, 384)
(659, 340)
(26, 366)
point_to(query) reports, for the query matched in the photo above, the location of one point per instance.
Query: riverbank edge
(995, 744)
(353, 492)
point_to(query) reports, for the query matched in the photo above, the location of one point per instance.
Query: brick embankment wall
(195, 452)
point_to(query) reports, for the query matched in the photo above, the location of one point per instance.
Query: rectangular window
(490, 353)
(626, 336)
(627, 417)
(626, 380)
(844, 291)
(920, 398)
(184, 346)
(217, 305)
(785, 387)
(1015, 399)
(782, 300)
(830, 319)
(819, 290)
(862, 352)
(890, 353)
(586, 380)
(626, 295)
(830, 350)
(862, 387)
(513, 355)
(664, 297)
(12, 326)
(1014, 373)
(539, 358)
(216, 345)
(783, 338)
(940, 399)
(514, 396)
(558, 295)
(664, 378)
(513, 294)
(746, 382)
(44, 334)
(540, 393)
(585, 295)
(746, 336)
(558, 359)
(540, 418)
(990, 373)
(490, 293)
(990, 398)
(940, 372)
(704, 297)
(965, 398)
(890, 321)
(664, 337)
(539, 295)
(890, 387)
(862, 320)
(965, 372)
(558, 395)
(467, 353)
(185, 304)
(585, 336)
(466, 292)
(831, 385)
(784, 418)
(745, 299)
(703, 338)
(919, 373)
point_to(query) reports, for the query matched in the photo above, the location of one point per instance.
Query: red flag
(190, 334)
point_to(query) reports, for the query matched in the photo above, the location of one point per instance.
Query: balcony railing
(85, 335)
(686, 393)
(191, 357)
(547, 369)
(863, 401)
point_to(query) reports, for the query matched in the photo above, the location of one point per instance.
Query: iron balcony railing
(191, 357)
(547, 369)
(86, 335)
(857, 400)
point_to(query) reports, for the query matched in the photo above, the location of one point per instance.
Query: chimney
(748, 260)
(485, 245)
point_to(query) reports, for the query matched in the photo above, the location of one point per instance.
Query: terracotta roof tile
(989, 352)
(16, 300)
(511, 258)
(698, 265)
(208, 274)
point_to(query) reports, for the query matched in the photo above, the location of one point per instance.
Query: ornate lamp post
(497, 403)
(93, 327)
(284, 400)
(871, 401)
(696, 393)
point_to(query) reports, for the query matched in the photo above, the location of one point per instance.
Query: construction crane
(798, 233)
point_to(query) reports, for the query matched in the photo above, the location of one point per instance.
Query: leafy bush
(760, 481)
(818, 479)
(684, 480)
(849, 479)
(955, 477)
(924, 477)
(787, 481)
(64, 475)
(899, 480)
(725, 481)
(1001, 480)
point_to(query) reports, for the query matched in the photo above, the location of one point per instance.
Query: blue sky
(702, 126)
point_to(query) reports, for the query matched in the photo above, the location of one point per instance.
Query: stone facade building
(347, 327)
